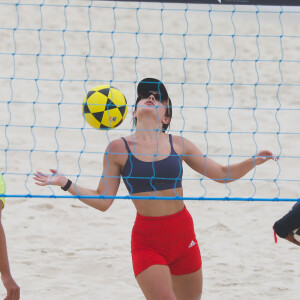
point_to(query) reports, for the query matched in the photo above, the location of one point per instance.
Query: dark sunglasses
(146, 95)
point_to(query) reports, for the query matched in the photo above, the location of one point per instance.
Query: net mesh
(231, 72)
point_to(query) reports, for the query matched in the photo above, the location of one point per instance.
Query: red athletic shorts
(168, 240)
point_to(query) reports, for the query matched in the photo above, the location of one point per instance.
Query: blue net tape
(68, 51)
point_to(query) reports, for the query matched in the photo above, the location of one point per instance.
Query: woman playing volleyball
(12, 289)
(165, 253)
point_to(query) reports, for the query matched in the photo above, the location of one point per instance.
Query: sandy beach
(232, 75)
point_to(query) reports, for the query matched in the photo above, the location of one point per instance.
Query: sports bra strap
(171, 142)
(126, 145)
(170, 139)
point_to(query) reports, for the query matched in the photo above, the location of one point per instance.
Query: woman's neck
(146, 129)
(147, 134)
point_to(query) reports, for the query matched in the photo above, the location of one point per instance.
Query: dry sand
(61, 249)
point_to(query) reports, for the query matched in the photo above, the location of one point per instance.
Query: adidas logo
(192, 244)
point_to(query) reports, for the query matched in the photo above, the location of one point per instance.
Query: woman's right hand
(50, 179)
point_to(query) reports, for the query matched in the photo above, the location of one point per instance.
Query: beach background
(232, 75)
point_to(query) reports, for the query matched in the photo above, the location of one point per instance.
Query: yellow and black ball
(104, 107)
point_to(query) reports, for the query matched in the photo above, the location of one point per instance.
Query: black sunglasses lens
(156, 96)
(146, 95)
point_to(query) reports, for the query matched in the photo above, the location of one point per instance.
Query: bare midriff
(158, 207)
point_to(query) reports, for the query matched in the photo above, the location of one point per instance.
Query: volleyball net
(232, 72)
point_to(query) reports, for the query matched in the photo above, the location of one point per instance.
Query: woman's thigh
(189, 286)
(156, 283)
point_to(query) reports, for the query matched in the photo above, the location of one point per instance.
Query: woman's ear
(166, 120)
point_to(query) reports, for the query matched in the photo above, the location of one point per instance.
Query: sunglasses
(146, 95)
(157, 97)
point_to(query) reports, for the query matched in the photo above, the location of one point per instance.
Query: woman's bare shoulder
(179, 140)
(181, 144)
(116, 146)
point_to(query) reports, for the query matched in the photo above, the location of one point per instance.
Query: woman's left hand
(263, 156)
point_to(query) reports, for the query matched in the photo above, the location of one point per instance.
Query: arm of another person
(108, 185)
(13, 290)
(288, 223)
(217, 172)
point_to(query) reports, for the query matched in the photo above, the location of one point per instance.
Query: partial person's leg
(189, 286)
(156, 283)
